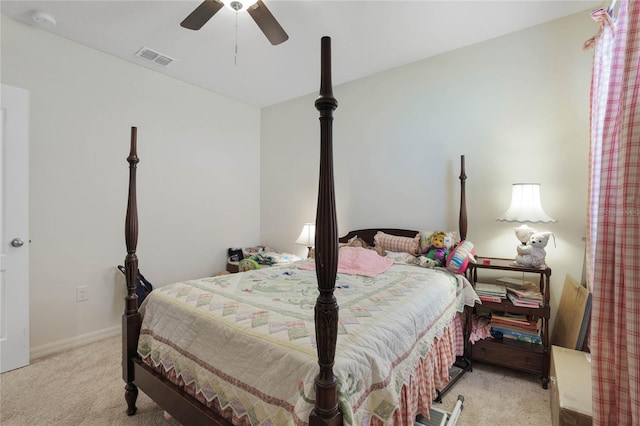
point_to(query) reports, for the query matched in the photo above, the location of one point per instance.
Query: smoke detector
(43, 18)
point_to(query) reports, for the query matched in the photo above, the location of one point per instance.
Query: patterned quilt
(245, 343)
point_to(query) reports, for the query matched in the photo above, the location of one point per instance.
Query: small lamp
(307, 236)
(525, 207)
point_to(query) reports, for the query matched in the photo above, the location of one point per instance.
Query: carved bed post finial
(131, 318)
(326, 411)
(462, 220)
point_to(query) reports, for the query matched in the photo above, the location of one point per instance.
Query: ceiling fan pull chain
(235, 59)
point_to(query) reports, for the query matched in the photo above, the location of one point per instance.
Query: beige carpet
(48, 393)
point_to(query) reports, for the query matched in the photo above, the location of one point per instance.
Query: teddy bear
(437, 249)
(422, 261)
(532, 254)
(359, 242)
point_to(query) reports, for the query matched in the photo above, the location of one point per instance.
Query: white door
(14, 229)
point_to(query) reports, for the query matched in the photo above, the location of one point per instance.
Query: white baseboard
(73, 342)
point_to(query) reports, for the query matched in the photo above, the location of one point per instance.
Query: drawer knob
(528, 360)
(483, 350)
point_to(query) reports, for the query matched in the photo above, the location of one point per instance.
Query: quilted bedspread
(245, 343)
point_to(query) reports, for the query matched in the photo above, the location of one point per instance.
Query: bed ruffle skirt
(431, 373)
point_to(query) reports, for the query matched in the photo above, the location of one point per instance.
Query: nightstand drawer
(516, 355)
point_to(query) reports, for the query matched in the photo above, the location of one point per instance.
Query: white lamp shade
(308, 235)
(525, 205)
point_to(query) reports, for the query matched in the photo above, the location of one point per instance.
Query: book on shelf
(491, 292)
(517, 335)
(525, 331)
(534, 340)
(524, 303)
(517, 283)
(491, 288)
(490, 298)
(526, 294)
(520, 321)
(510, 316)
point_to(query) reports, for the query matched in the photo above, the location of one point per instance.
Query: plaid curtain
(613, 243)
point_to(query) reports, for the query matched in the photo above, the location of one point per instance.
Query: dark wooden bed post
(131, 318)
(462, 219)
(326, 411)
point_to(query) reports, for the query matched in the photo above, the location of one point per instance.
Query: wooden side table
(519, 355)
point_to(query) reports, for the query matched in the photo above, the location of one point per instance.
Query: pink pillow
(460, 256)
(397, 244)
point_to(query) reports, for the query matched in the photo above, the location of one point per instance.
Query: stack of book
(517, 327)
(491, 292)
(529, 298)
(518, 283)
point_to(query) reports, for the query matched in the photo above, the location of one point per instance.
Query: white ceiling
(367, 37)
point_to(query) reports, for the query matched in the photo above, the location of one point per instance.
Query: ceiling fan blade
(267, 23)
(201, 14)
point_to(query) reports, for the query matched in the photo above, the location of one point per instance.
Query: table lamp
(525, 207)
(307, 236)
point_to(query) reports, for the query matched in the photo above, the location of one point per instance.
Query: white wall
(516, 106)
(198, 178)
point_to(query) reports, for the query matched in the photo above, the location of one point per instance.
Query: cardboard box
(570, 387)
(572, 319)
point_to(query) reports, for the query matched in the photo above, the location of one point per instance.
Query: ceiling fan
(258, 11)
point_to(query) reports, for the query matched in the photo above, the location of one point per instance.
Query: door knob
(17, 242)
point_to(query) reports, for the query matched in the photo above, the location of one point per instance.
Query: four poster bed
(267, 346)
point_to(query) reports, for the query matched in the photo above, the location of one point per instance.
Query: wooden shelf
(515, 354)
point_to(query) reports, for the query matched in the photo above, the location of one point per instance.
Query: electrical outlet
(82, 293)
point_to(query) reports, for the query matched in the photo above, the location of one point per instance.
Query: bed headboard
(368, 234)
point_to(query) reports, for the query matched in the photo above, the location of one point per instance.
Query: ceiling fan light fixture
(236, 5)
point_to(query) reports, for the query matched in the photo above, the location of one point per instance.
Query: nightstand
(516, 354)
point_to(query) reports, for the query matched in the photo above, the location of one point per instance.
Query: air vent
(153, 56)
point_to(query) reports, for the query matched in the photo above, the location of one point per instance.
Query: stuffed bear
(423, 261)
(437, 249)
(359, 242)
(533, 253)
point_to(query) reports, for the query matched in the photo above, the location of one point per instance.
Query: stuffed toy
(359, 242)
(460, 256)
(437, 249)
(422, 261)
(532, 254)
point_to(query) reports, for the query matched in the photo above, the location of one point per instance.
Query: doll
(437, 249)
